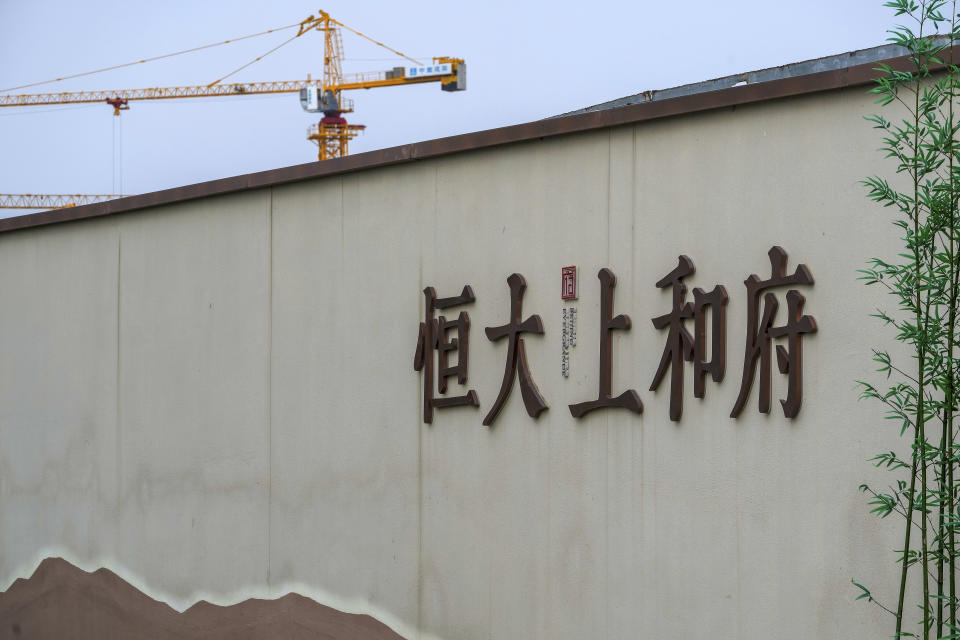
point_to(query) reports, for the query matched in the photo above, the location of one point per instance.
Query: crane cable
(166, 55)
(257, 59)
(116, 153)
(377, 42)
(303, 31)
(217, 44)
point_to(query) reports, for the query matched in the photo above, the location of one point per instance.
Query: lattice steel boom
(50, 201)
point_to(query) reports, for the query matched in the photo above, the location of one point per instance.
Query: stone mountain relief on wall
(103, 606)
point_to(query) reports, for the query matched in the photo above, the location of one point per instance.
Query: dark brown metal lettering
(434, 335)
(680, 345)
(628, 399)
(760, 333)
(516, 354)
(790, 360)
(444, 345)
(716, 300)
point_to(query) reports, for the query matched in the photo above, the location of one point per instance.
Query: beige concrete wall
(216, 399)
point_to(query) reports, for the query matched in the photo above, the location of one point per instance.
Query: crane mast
(332, 134)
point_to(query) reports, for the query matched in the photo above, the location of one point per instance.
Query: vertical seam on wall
(607, 428)
(420, 423)
(606, 418)
(119, 372)
(270, 387)
(633, 271)
(609, 179)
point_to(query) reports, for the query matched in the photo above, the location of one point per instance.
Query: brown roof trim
(760, 92)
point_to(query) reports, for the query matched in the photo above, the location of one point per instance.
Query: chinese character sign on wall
(694, 333)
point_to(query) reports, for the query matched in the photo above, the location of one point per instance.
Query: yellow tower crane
(332, 134)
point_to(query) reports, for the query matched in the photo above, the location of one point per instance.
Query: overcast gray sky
(526, 60)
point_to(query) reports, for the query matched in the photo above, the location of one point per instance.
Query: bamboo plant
(923, 282)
